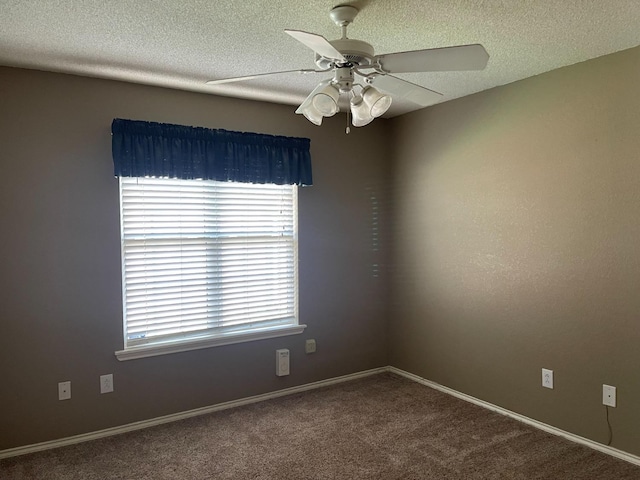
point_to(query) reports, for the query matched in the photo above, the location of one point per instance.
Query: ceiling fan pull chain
(348, 129)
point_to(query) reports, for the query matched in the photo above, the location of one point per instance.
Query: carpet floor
(380, 427)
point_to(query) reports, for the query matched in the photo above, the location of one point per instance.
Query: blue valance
(148, 149)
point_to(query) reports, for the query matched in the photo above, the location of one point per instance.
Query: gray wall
(60, 282)
(517, 245)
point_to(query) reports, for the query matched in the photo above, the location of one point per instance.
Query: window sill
(196, 344)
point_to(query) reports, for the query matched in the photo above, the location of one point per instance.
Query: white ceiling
(183, 43)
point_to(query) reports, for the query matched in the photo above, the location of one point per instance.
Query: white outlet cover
(547, 378)
(310, 346)
(106, 383)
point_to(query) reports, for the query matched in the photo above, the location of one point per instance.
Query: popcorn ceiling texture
(183, 44)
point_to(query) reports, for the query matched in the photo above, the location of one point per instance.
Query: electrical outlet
(609, 395)
(64, 390)
(282, 362)
(106, 383)
(547, 378)
(310, 346)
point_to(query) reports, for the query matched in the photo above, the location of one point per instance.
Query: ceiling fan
(360, 74)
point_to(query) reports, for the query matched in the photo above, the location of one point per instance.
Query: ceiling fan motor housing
(343, 79)
(355, 52)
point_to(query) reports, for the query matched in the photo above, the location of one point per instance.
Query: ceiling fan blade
(403, 89)
(250, 77)
(462, 57)
(317, 43)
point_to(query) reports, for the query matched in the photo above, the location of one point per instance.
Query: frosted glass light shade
(312, 114)
(377, 102)
(360, 112)
(326, 101)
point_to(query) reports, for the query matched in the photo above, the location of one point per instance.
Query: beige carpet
(381, 427)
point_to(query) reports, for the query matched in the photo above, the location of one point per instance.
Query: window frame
(211, 338)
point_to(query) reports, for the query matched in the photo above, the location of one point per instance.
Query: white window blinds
(206, 258)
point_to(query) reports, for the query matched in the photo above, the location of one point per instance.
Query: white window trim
(206, 340)
(144, 351)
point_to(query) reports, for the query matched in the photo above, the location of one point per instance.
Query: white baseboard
(37, 447)
(614, 452)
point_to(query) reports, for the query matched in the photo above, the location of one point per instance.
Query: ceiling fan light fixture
(326, 101)
(377, 102)
(360, 112)
(346, 57)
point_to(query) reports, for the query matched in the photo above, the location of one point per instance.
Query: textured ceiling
(183, 43)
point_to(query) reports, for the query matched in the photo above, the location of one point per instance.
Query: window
(206, 263)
